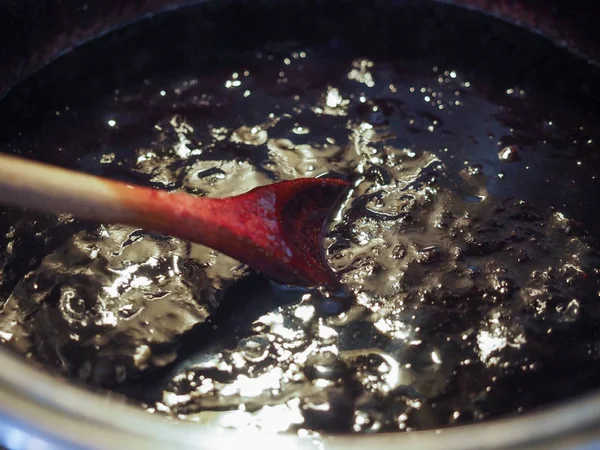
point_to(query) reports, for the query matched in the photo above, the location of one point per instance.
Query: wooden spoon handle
(274, 228)
(50, 189)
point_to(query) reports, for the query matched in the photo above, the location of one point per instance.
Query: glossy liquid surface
(469, 238)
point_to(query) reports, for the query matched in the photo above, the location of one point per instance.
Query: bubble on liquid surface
(474, 284)
(509, 154)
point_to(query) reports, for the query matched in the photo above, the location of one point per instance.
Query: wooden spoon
(275, 229)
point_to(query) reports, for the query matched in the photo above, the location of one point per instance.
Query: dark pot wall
(36, 31)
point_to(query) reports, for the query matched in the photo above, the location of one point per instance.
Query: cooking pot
(39, 411)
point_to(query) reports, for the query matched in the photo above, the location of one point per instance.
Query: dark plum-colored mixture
(468, 239)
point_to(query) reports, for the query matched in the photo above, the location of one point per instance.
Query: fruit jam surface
(469, 237)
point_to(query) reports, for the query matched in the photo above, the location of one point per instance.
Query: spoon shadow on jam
(231, 322)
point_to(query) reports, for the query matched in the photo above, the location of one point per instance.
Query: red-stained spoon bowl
(276, 229)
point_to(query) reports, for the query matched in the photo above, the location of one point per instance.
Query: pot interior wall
(38, 31)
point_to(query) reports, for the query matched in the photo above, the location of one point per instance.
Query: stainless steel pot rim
(46, 406)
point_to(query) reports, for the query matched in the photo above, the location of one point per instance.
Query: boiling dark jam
(468, 238)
